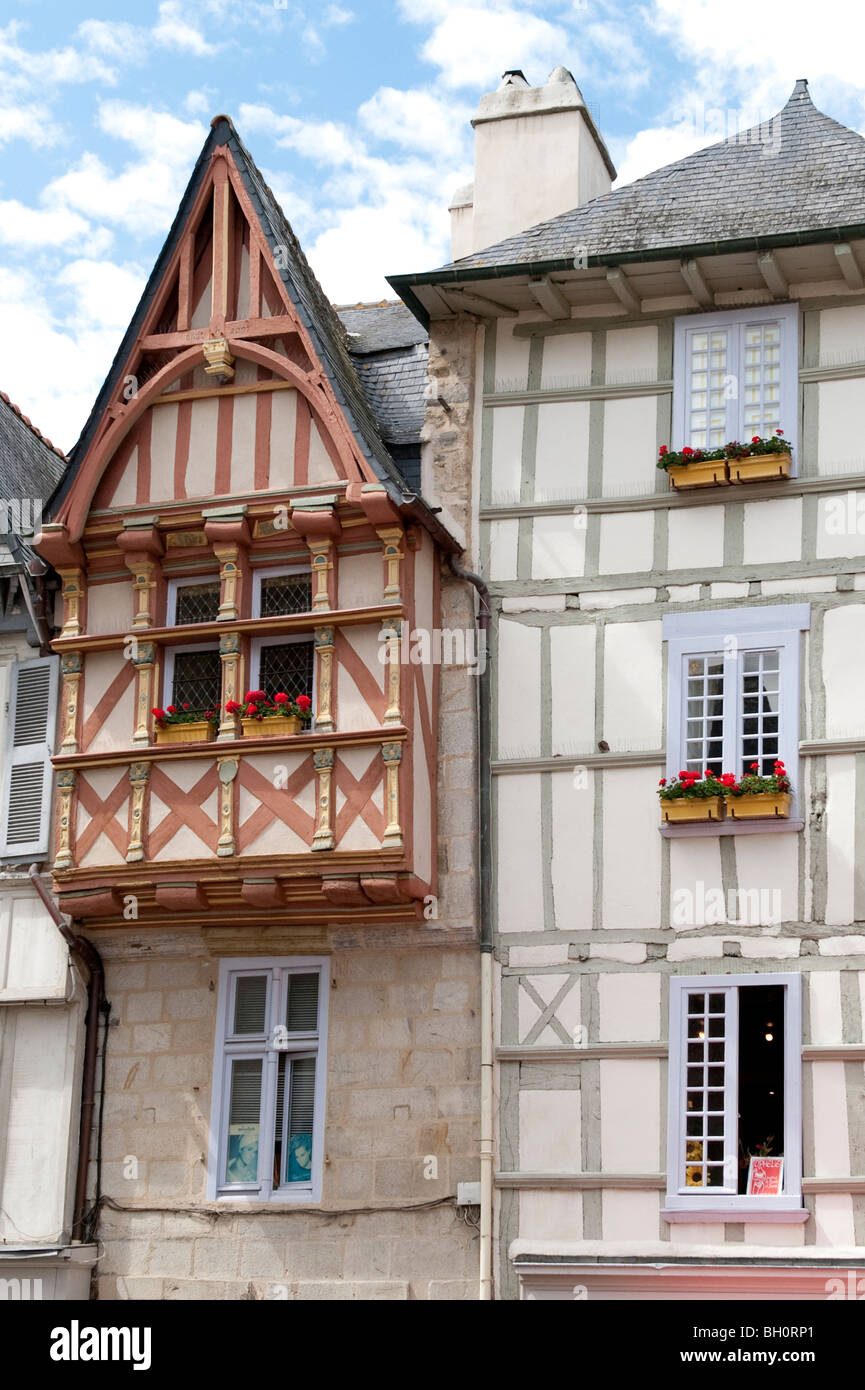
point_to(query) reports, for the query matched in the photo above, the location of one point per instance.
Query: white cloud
(28, 121)
(335, 16)
(26, 70)
(30, 227)
(418, 120)
(472, 46)
(352, 258)
(115, 39)
(175, 31)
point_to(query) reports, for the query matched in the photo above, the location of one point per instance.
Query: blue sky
(357, 112)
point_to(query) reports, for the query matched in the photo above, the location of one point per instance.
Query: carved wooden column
(71, 665)
(229, 653)
(141, 544)
(391, 538)
(392, 755)
(324, 836)
(315, 519)
(228, 534)
(73, 591)
(143, 657)
(66, 780)
(324, 680)
(389, 636)
(139, 776)
(227, 769)
(67, 557)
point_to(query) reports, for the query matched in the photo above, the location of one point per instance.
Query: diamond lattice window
(197, 603)
(285, 593)
(287, 668)
(197, 679)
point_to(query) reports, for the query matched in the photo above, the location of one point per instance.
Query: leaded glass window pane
(197, 679)
(285, 593)
(286, 668)
(197, 603)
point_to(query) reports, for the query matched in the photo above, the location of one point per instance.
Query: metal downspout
(485, 1278)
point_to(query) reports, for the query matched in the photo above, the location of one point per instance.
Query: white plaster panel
(201, 468)
(507, 453)
(632, 850)
(773, 531)
(813, 584)
(572, 664)
(283, 426)
(520, 886)
(361, 580)
(550, 1131)
(727, 590)
(630, 1115)
(573, 803)
(632, 353)
(695, 873)
(630, 1007)
(243, 444)
(558, 547)
(512, 358)
(842, 335)
(567, 361)
(562, 457)
(840, 825)
(630, 1216)
(33, 954)
(695, 538)
(833, 1219)
(110, 607)
(519, 679)
(630, 449)
(825, 1013)
(770, 863)
(627, 542)
(632, 686)
(774, 1235)
(840, 525)
(831, 1134)
(592, 600)
(841, 423)
(504, 542)
(551, 1215)
(321, 469)
(163, 442)
(126, 491)
(843, 634)
(354, 712)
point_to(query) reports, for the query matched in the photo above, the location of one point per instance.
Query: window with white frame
(735, 1092)
(193, 673)
(279, 592)
(282, 664)
(267, 1130)
(193, 601)
(733, 692)
(735, 376)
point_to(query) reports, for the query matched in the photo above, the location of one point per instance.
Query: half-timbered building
(251, 780)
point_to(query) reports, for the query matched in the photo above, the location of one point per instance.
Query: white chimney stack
(537, 153)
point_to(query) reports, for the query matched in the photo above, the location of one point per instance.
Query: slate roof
(30, 466)
(798, 172)
(389, 349)
(325, 328)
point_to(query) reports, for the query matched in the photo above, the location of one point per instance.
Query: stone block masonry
(402, 1075)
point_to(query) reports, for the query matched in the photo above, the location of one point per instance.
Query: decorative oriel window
(734, 1142)
(736, 376)
(267, 1130)
(733, 689)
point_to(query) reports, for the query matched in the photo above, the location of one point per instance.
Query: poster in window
(765, 1177)
(242, 1153)
(300, 1158)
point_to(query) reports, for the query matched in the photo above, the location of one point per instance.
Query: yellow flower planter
(691, 808)
(199, 731)
(760, 468)
(759, 806)
(698, 474)
(277, 726)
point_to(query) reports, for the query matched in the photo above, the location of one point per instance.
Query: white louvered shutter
(26, 810)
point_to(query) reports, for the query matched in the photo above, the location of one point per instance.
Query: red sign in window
(765, 1177)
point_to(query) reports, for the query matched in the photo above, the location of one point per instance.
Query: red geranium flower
(232, 707)
(755, 767)
(172, 709)
(280, 699)
(688, 452)
(254, 695)
(663, 782)
(158, 713)
(755, 439)
(303, 702)
(662, 451)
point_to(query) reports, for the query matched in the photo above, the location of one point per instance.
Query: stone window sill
(752, 1216)
(685, 830)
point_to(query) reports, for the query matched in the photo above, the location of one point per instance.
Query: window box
(196, 731)
(760, 468)
(690, 808)
(277, 726)
(758, 805)
(713, 474)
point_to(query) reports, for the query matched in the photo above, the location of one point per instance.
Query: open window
(735, 1095)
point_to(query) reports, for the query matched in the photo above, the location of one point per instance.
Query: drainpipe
(485, 1291)
(89, 955)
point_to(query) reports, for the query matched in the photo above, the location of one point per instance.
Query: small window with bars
(196, 679)
(735, 1086)
(283, 594)
(196, 602)
(286, 667)
(735, 376)
(270, 1090)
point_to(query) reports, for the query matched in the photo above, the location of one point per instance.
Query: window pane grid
(760, 697)
(761, 387)
(287, 669)
(282, 594)
(197, 603)
(707, 396)
(704, 714)
(706, 1143)
(197, 679)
